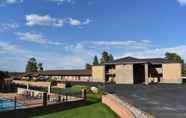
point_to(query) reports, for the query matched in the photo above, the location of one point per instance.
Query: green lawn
(93, 109)
(96, 110)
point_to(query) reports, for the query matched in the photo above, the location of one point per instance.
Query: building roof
(132, 60)
(61, 73)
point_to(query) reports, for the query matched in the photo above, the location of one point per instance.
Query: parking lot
(161, 100)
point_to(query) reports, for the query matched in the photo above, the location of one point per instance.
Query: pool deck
(162, 100)
(10, 96)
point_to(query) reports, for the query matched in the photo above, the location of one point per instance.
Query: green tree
(32, 65)
(2, 76)
(174, 57)
(95, 61)
(177, 58)
(88, 66)
(40, 67)
(106, 57)
(111, 58)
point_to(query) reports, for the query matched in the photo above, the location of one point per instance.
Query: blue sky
(66, 34)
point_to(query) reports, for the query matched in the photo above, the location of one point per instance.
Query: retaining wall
(122, 108)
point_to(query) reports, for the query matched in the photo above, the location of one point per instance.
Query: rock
(94, 89)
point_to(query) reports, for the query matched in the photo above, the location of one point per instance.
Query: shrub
(68, 85)
(53, 82)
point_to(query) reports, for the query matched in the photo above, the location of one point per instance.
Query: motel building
(128, 70)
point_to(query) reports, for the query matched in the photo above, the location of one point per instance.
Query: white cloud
(59, 2)
(73, 22)
(14, 58)
(9, 2)
(6, 47)
(8, 26)
(157, 52)
(76, 55)
(36, 38)
(182, 2)
(47, 20)
(142, 44)
(87, 21)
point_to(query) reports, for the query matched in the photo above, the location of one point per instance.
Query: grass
(93, 109)
(96, 110)
(73, 89)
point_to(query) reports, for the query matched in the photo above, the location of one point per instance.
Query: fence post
(15, 100)
(59, 98)
(66, 96)
(45, 99)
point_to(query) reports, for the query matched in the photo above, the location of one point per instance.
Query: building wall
(124, 74)
(56, 77)
(72, 78)
(171, 73)
(98, 73)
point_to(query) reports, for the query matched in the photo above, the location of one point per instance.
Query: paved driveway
(163, 101)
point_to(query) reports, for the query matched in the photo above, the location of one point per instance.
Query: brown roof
(61, 73)
(132, 60)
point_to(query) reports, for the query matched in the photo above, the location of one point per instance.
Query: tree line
(34, 66)
(106, 57)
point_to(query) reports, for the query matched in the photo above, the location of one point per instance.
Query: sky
(67, 34)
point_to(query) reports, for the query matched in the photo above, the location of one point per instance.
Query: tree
(2, 76)
(174, 57)
(88, 67)
(111, 58)
(40, 67)
(106, 57)
(95, 61)
(32, 65)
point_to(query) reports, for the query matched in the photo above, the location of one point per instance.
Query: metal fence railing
(28, 100)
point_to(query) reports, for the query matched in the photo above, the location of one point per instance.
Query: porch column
(49, 89)
(27, 86)
(146, 74)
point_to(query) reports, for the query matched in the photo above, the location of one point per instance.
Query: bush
(68, 85)
(16, 78)
(53, 82)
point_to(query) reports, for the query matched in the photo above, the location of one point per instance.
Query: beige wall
(171, 73)
(124, 74)
(98, 73)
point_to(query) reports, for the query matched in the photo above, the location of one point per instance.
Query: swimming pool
(6, 104)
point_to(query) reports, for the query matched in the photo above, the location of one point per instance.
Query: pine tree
(105, 57)
(111, 58)
(95, 61)
(88, 67)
